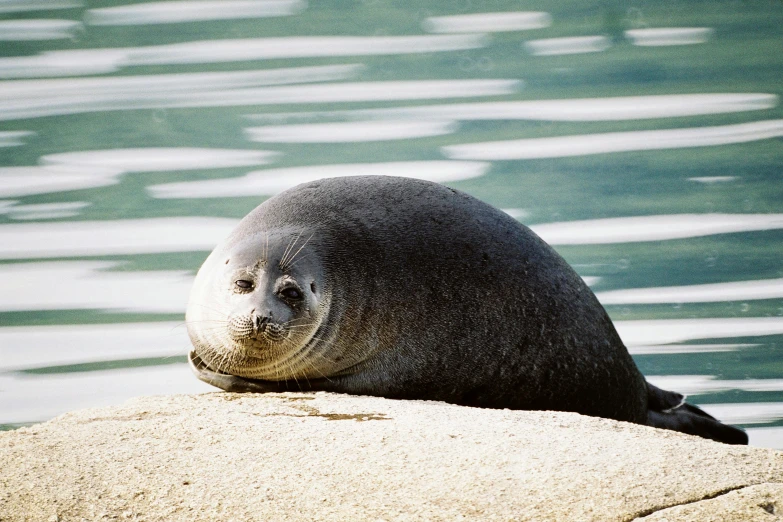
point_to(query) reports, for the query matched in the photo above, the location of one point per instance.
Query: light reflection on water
(68, 285)
(660, 36)
(97, 61)
(710, 293)
(345, 132)
(156, 95)
(615, 108)
(671, 331)
(26, 30)
(151, 159)
(183, 234)
(581, 145)
(35, 397)
(568, 45)
(111, 237)
(654, 228)
(272, 181)
(26, 181)
(648, 155)
(36, 347)
(48, 97)
(13, 6)
(190, 11)
(488, 22)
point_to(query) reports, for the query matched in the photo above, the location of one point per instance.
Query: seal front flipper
(232, 383)
(226, 382)
(668, 410)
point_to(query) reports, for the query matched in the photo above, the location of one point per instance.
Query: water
(643, 143)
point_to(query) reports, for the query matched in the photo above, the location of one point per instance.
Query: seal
(407, 289)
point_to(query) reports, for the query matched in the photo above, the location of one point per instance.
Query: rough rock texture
(331, 457)
(760, 503)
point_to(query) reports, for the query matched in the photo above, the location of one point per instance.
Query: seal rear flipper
(668, 410)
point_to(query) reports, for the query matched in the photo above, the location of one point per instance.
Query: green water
(743, 54)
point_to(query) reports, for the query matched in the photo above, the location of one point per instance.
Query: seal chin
(275, 353)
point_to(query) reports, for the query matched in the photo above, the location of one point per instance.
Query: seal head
(256, 307)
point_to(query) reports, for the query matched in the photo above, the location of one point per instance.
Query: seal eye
(243, 284)
(291, 293)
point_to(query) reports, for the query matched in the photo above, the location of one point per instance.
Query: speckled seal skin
(407, 289)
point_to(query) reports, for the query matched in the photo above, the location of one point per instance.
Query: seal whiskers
(289, 262)
(264, 256)
(291, 246)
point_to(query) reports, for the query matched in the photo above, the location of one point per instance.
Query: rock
(319, 456)
(761, 503)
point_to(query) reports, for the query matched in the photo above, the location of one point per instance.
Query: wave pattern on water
(42, 211)
(157, 96)
(747, 412)
(154, 159)
(568, 45)
(31, 398)
(583, 145)
(33, 347)
(616, 108)
(27, 181)
(108, 114)
(663, 36)
(667, 331)
(96, 61)
(659, 349)
(74, 285)
(653, 228)
(13, 138)
(99, 168)
(703, 384)
(349, 132)
(38, 29)
(488, 22)
(118, 237)
(710, 293)
(192, 11)
(13, 6)
(273, 181)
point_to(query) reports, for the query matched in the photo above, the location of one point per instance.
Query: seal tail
(669, 411)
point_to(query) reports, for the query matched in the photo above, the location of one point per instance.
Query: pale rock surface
(319, 456)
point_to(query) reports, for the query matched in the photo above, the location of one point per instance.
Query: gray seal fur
(407, 289)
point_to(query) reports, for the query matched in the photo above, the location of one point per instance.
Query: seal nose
(260, 322)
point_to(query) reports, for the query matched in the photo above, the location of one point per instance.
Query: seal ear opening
(312, 286)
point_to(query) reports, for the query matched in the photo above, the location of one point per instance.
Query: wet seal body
(406, 289)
